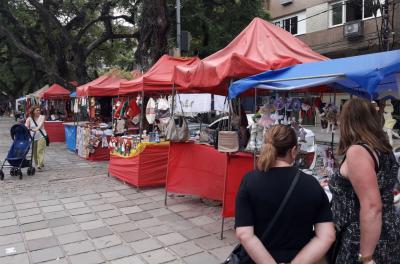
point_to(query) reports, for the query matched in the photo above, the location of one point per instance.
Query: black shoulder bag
(46, 137)
(234, 256)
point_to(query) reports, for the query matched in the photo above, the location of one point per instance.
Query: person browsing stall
(304, 230)
(35, 123)
(362, 189)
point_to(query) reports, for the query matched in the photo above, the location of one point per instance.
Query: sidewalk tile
(128, 260)
(66, 229)
(37, 234)
(15, 259)
(210, 242)
(146, 245)
(30, 219)
(12, 249)
(60, 221)
(91, 224)
(106, 241)
(171, 239)
(134, 235)
(186, 249)
(117, 252)
(99, 232)
(158, 256)
(41, 243)
(84, 217)
(116, 220)
(46, 254)
(78, 247)
(130, 210)
(72, 237)
(91, 257)
(201, 258)
(27, 212)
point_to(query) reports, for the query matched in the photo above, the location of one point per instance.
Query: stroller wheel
(1, 175)
(12, 171)
(19, 173)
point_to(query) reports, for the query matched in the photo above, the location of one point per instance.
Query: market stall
(360, 77)
(93, 104)
(147, 111)
(259, 47)
(55, 99)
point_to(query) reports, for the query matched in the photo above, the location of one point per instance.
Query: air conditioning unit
(353, 29)
(286, 2)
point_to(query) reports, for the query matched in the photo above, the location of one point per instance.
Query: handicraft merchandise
(89, 137)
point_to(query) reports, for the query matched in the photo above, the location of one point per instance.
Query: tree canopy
(47, 41)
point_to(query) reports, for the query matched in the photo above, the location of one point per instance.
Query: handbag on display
(235, 255)
(177, 132)
(228, 141)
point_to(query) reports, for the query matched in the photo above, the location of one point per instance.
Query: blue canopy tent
(373, 76)
(73, 94)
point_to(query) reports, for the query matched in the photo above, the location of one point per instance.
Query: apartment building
(338, 28)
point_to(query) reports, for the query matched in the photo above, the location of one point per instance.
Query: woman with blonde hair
(303, 230)
(362, 188)
(35, 123)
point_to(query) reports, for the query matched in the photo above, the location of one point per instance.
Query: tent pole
(255, 139)
(141, 119)
(172, 116)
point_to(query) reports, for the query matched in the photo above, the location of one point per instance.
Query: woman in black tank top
(362, 188)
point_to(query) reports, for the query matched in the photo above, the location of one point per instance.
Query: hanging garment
(118, 107)
(150, 111)
(133, 110)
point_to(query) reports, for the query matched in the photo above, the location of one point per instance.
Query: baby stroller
(17, 156)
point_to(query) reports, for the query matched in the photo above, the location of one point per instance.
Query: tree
(60, 36)
(214, 23)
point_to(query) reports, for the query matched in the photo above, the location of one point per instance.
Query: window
(337, 13)
(350, 10)
(295, 24)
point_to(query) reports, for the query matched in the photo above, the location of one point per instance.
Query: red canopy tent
(259, 47)
(56, 92)
(105, 85)
(158, 77)
(55, 129)
(149, 167)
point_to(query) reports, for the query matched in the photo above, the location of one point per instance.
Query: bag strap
(282, 205)
(40, 130)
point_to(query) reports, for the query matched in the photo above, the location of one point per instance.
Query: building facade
(339, 28)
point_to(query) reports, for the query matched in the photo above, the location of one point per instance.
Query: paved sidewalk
(73, 213)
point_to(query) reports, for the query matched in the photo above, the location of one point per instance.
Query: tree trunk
(154, 26)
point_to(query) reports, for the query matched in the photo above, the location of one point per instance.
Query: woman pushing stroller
(35, 123)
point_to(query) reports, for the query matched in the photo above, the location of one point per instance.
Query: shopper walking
(363, 189)
(304, 230)
(35, 122)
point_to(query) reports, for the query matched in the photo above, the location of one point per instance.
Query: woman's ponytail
(279, 139)
(267, 157)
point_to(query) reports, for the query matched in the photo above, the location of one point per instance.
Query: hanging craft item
(133, 110)
(150, 111)
(296, 105)
(162, 111)
(279, 104)
(117, 108)
(288, 104)
(265, 120)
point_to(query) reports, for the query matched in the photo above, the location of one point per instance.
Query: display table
(202, 170)
(99, 154)
(55, 131)
(148, 166)
(92, 144)
(70, 135)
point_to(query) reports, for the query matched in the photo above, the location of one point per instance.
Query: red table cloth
(201, 170)
(55, 131)
(148, 168)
